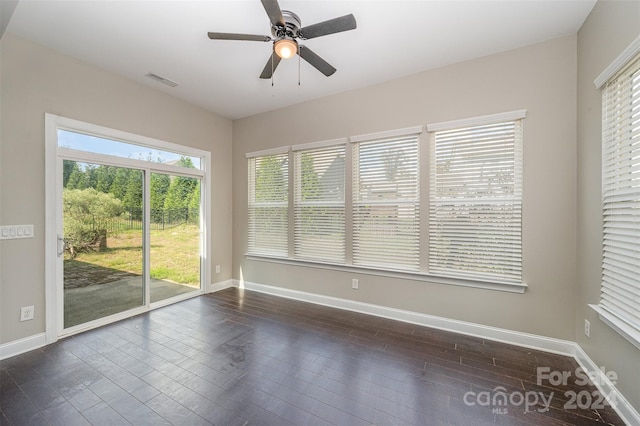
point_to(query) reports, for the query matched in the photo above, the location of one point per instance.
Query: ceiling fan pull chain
(299, 49)
(271, 70)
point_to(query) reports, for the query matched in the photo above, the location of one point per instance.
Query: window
(620, 297)
(476, 199)
(386, 231)
(268, 203)
(356, 207)
(142, 152)
(319, 203)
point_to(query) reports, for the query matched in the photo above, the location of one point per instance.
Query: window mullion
(318, 208)
(348, 208)
(291, 220)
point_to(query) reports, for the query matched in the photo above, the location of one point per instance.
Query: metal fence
(131, 219)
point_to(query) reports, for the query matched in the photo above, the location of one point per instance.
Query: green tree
(120, 181)
(160, 183)
(132, 199)
(68, 167)
(77, 179)
(396, 167)
(104, 177)
(194, 204)
(194, 201)
(392, 159)
(185, 162)
(310, 185)
(180, 192)
(84, 210)
(91, 176)
(181, 188)
(270, 180)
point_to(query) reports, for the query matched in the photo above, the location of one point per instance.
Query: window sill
(624, 329)
(415, 276)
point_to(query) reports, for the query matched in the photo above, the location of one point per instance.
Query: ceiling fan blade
(271, 66)
(332, 26)
(320, 64)
(231, 36)
(273, 11)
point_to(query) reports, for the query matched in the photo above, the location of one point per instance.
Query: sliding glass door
(130, 228)
(103, 242)
(174, 236)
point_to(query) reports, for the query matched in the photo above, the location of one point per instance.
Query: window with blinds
(621, 196)
(358, 205)
(268, 204)
(319, 209)
(475, 204)
(386, 231)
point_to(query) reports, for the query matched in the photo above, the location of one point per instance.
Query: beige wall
(611, 27)
(540, 78)
(35, 81)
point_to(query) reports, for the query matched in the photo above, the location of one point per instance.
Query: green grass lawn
(175, 254)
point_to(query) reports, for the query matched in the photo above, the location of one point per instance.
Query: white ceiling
(393, 39)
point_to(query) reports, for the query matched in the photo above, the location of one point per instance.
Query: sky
(82, 142)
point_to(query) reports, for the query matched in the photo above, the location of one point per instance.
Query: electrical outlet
(217, 269)
(354, 283)
(587, 328)
(26, 313)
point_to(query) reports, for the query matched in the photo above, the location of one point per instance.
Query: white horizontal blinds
(386, 204)
(268, 205)
(621, 195)
(319, 204)
(476, 202)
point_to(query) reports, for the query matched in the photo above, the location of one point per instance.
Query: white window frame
(467, 238)
(252, 204)
(398, 251)
(621, 249)
(320, 252)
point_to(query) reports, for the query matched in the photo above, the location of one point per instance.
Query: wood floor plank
(243, 358)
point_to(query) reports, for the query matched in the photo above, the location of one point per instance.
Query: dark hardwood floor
(237, 357)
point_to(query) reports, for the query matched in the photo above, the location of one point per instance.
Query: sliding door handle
(60, 247)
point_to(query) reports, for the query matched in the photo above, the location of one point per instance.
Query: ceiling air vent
(162, 80)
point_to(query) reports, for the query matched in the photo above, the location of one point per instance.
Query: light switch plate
(12, 232)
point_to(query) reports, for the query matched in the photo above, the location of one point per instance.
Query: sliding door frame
(54, 156)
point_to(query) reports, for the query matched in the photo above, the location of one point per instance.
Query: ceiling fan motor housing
(291, 28)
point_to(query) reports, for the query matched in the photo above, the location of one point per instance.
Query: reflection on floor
(83, 304)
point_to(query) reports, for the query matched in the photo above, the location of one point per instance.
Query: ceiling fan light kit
(285, 47)
(286, 29)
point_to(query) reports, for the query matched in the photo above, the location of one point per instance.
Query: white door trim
(54, 318)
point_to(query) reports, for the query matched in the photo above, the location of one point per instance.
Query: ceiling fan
(286, 30)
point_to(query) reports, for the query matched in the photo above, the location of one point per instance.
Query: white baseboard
(547, 344)
(562, 347)
(221, 285)
(20, 346)
(617, 400)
